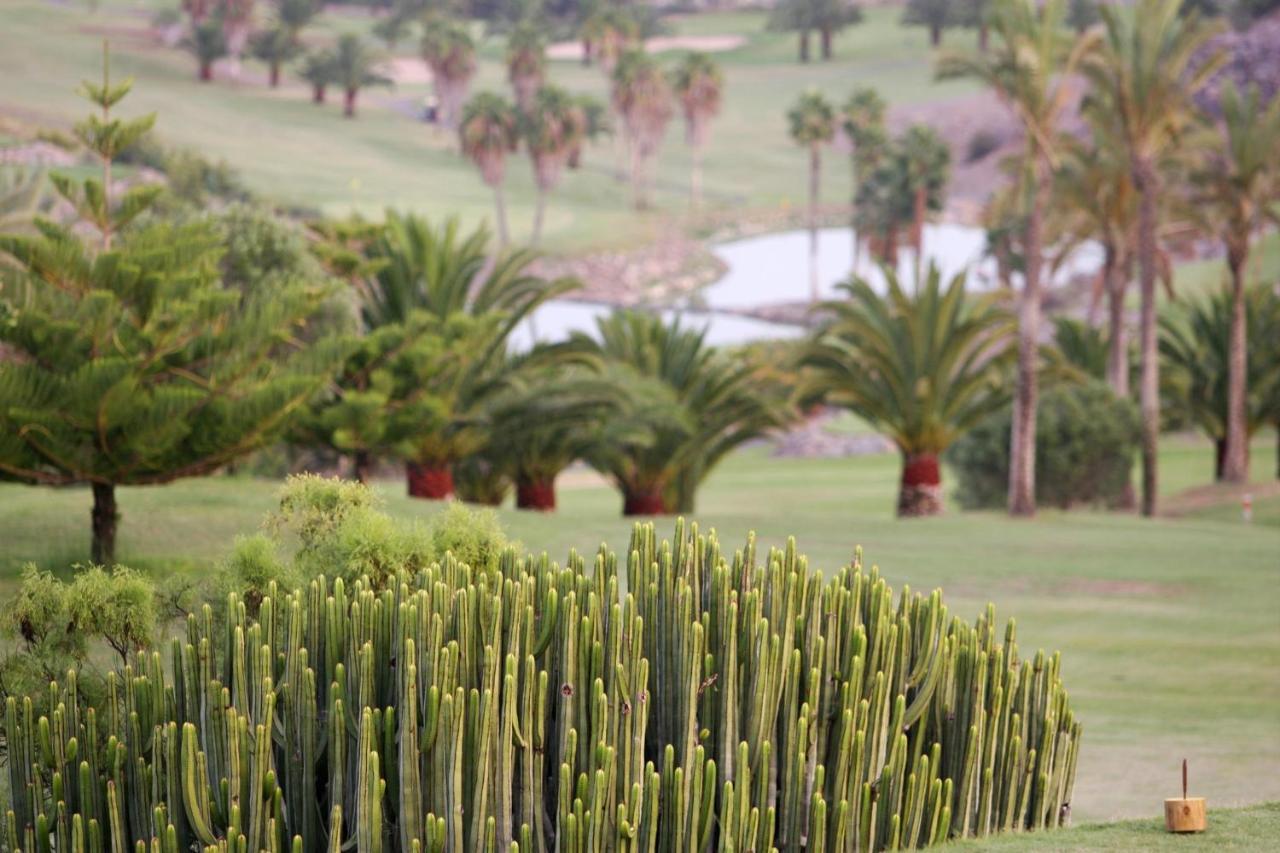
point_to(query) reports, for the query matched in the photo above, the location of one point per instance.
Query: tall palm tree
(608, 33)
(862, 122)
(552, 128)
(922, 369)
(1143, 75)
(450, 53)
(699, 86)
(354, 68)
(812, 124)
(1235, 192)
(526, 62)
(1029, 69)
(642, 97)
(926, 162)
(489, 132)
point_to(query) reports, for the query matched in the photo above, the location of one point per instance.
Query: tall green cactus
(720, 703)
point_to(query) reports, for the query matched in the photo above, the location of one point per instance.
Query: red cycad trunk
(433, 481)
(920, 493)
(536, 494)
(206, 72)
(643, 501)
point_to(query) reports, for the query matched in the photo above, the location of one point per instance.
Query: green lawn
(297, 153)
(1169, 627)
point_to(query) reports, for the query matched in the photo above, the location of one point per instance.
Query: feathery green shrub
(721, 701)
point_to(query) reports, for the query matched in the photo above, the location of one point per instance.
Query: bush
(1086, 439)
(722, 703)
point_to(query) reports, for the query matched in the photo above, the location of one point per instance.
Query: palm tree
(526, 62)
(926, 162)
(595, 124)
(687, 406)
(1235, 191)
(208, 44)
(1029, 69)
(280, 43)
(354, 62)
(608, 33)
(552, 128)
(862, 121)
(699, 86)
(450, 53)
(642, 97)
(1144, 74)
(319, 68)
(923, 369)
(489, 132)
(937, 15)
(812, 122)
(828, 17)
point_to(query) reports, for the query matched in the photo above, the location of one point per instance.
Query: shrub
(722, 702)
(1086, 439)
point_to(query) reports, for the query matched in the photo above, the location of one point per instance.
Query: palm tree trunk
(917, 232)
(1145, 181)
(637, 180)
(539, 211)
(1219, 458)
(536, 493)
(935, 35)
(1235, 468)
(105, 519)
(349, 103)
(1113, 280)
(920, 491)
(1022, 450)
(361, 465)
(984, 36)
(695, 177)
(274, 74)
(826, 43)
(430, 480)
(804, 45)
(500, 211)
(815, 170)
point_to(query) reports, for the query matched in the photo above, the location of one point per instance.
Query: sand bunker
(572, 50)
(406, 71)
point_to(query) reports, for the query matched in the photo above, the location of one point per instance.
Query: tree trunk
(361, 465)
(637, 180)
(695, 176)
(1235, 468)
(643, 501)
(804, 45)
(1022, 450)
(536, 494)
(500, 209)
(1113, 278)
(815, 169)
(317, 93)
(273, 77)
(1146, 183)
(826, 44)
(920, 492)
(349, 103)
(984, 36)
(586, 51)
(917, 232)
(106, 518)
(538, 212)
(1219, 458)
(206, 71)
(430, 480)
(935, 35)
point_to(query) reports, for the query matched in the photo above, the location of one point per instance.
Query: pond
(774, 269)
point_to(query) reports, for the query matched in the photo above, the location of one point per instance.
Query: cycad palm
(1235, 192)
(1144, 73)
(699, 86)
(922, 369)
(1028, 67)
(489, 131)
(811, 122)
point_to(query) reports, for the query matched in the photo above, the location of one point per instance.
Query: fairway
(1168, 628)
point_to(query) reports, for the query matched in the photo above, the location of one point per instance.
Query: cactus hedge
(677, 699)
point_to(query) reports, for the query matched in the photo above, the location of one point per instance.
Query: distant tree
(551, 128)
(526, 61)
(826, 17)
(354, 68)
(1235, 192)
(1082, 14)
(862, 121)
(642, 97)
(975, 14)
(488, 133)
(812, 125)
(699, 86)
(280, 42)
(319, 70)
(595, 124)
(926, 162)
(937, 15)
(607, 33)
(450, 53)
(237, 22)
(208, 45)
(920, 368)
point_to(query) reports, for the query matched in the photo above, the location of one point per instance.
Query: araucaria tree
(642, 97)
(1144, 75)
(811, 122)
(922, 369)
(488, 133)
(450, 53)
(699, 86)
(130, 360)
(526, 62)
(355, 64)
(1029, 68)
(1235, 191)
(552, 129)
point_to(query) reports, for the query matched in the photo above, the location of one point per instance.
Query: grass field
(1169, 627)
(292, 151)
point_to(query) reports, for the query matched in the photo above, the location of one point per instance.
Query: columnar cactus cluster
(678, 699)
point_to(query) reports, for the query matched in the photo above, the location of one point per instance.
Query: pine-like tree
(131, 360)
